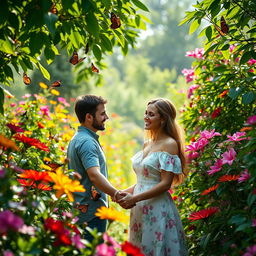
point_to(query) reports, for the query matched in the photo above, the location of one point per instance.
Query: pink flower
(216, 167)
(194, 146)
(110, 240)
(245, 175)
(251, 62)
(237, 136)
(229, 156)
(105, 250)
(8, 220)
(76, 240)
(8, 253)
(250, 251)
(189, 74)
(197, 53)
(45, 111)
(2, 172)
(251, 120)
(191, 90)
(253, 222)
(29, 230)
(209, 134)
(13, 105)
(231, 48)
(192, 155)
(26, 96)
(63, 101)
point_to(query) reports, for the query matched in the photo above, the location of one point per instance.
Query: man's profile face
(100, 118)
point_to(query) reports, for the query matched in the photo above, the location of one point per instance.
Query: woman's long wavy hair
(170, 127)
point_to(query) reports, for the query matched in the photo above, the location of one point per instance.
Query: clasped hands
(124, 199)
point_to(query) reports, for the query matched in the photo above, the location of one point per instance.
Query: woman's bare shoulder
(170, 146)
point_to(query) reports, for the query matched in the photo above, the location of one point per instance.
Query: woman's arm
(129, 190)
(163, 186)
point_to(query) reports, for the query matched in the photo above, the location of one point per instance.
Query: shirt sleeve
(170, 163)
(88, 152)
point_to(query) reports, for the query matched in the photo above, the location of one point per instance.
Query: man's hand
(127, 201)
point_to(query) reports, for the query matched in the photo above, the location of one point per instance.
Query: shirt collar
(88, 131)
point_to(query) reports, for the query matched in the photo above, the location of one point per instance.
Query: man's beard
(98, 126)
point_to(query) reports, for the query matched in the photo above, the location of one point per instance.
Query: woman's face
(152, 119)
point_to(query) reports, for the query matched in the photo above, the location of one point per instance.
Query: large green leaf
(44, 71)
(50, 20)
(248, 97)
(97, 51)
(92, 24)
(194, 25)
(140, 5)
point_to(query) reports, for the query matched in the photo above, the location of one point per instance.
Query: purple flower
(209, 134)
(251, 120)
(216, 167)
(2, 172)
(237, 136)
(245, 175)
(8, 220)
(105, 250)
(229, 156)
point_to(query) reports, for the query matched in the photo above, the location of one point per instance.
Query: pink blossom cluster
(245, 175)
(250, 251)
(197, 53)
(189, 74)
(107, 248)
(251, 62)
(251, 120)
(238, 136)
(191, 90)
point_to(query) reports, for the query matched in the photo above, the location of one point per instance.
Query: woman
(155, 225)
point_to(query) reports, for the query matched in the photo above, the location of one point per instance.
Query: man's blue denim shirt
(84, 151)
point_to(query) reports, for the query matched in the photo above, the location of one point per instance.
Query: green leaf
(50, 20)
(234, 92)
(97, 51)
(208, 33)
(44, 71)
(106, 42)
(49, 55)
(214, 8)
(76, 39)
(248, 97)
(140, 5)
(8, 72)
(92, 24)
(6, 46)
(1, 100)
(107, 3)
(193, 27)
(120, 37)
(243, 227)
(245, 57)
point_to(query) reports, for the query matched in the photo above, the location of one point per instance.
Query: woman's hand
(128, 201)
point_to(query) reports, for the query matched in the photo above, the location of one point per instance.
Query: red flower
(203, 213)
(228, 177)
(32, 142)
(14, 128)
(216, 112)
(209, 190)
(131, 249)
(40, 125)
(35, 179)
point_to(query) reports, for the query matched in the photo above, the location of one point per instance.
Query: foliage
(36, 217)
(220, 123)
(31, 28)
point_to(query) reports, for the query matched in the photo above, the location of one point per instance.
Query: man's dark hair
(87, 104)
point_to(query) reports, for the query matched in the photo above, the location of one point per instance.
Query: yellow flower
(111, 214)
(64, 185)
(55, 92)
(43, 85)
(53, 102)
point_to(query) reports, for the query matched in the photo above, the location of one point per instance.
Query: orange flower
(207, 191)
(228, 177)
(5, 142)
(245, 129)
(222, 95)
(64, 185)
(205, 213)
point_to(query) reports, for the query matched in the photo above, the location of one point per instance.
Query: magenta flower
(253, 222)
(251, 120)
(14, 128)
(192, 155)
(251, 62)
(105, 250)
(231, 48)
(110, 240)
(76, 240)
(209, 134)
(8, 253)
(189, 74)
(2, 172)
(229, 156)
(8, 220)
(63, 101)
(194, 146)
(216, 167)
(197, 53)
(45, 111)
(245, 175)
(250, 251)
(237, 136)
(191, 90)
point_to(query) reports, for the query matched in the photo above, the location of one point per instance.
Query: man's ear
(88, 117)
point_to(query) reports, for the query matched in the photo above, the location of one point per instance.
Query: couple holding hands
(155, 226)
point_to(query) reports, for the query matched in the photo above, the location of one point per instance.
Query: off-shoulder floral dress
(155, 225)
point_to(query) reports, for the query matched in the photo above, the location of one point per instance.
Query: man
(87, 158)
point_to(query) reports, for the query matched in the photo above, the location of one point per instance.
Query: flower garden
(217, 201)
